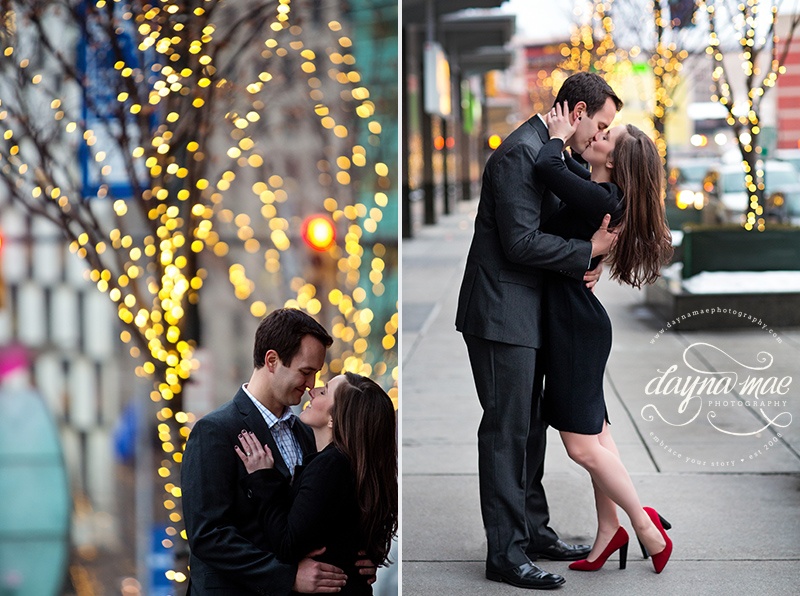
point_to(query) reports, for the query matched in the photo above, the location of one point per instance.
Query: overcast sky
(541, 19)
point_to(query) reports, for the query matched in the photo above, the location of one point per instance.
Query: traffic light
(318, 232)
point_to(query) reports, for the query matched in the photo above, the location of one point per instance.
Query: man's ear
(271, 360)
(578, 110)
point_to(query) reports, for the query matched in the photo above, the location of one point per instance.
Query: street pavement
(703, 458)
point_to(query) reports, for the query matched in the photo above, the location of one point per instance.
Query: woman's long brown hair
(644, 244)
(365, 430)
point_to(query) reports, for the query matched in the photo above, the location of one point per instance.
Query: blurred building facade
(447, 52)
(788, 89)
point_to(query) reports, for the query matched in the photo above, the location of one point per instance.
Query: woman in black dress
(626, 181)
(344, 497)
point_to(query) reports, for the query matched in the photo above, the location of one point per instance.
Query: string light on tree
(761, 58)
(666, 63)
(591, 48)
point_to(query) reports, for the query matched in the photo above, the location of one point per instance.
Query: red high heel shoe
(667, 526)
(618, 542)
(659, 559)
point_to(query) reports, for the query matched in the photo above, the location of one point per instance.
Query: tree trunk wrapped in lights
(591, 48)
(181, 114)
(666, 61)
(664, 39)
(761, 63)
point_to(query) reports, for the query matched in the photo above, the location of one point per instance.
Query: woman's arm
(588, 198)
(575, 167)
(296, 526)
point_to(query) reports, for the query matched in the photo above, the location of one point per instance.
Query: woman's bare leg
(607, 518)
(607, 441)
(612, 479)
(606, 508)
(607, 522)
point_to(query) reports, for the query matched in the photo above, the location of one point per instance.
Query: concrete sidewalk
(733, 499)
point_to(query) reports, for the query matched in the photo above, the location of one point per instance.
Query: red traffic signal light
(318, 232)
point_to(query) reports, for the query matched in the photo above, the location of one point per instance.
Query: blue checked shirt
(281, 429)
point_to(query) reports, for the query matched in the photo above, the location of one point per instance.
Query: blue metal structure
(34, 498)
(375, 47)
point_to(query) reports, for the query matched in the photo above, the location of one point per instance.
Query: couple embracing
(538, 338)
(278, 504)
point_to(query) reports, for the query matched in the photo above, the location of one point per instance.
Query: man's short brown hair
(589, 88)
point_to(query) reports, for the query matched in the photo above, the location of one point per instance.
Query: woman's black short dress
(577, 330)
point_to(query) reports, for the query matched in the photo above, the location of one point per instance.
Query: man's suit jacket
(229, 550)
(500, 297)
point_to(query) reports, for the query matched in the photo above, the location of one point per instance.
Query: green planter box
(678, 218)
(732, 248)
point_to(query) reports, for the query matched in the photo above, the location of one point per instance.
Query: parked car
(791, 156)
(727, 199)
(685, 199)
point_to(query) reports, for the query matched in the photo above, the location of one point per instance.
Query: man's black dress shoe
(526, 575)
(561, 551)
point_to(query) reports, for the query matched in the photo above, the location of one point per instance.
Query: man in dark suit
(499, 314)
(229, 551)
